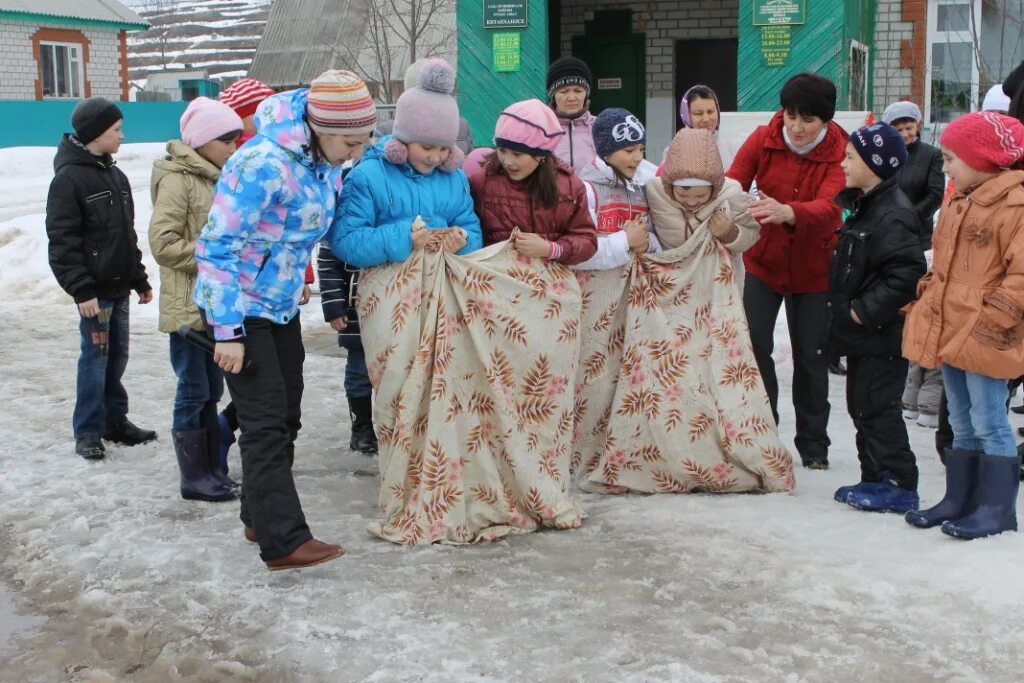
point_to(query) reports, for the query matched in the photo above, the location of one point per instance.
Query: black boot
(364, 440)
(213, 433)
(998, 480)
(90, 447)
(127, 434)
(837, 367)
(197, 482)
(961, 488)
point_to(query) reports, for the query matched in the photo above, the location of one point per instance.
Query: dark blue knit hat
(881, 147)
(615, 129)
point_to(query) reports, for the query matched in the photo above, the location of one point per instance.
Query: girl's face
(964, 177)
(692, 198)
(908, 129)
(217, 151)
(704, 114)
(425, 158)
(338, 149)
(626, 160)
(570, 100)
(858, 174)
(802, 129)
(517, 165)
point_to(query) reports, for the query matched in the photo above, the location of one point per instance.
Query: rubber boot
(226, 437)
(197, 482)
(364, 440)
(213, 440)
(998, 480)
(961, 487)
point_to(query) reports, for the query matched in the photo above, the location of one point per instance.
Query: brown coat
(970, 308)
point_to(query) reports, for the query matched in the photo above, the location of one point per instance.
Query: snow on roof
(96, 10)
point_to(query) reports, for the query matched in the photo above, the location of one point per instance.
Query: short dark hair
(809, 94)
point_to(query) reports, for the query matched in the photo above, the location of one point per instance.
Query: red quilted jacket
(503, 205)
(794, 259)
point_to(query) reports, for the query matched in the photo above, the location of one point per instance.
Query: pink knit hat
(205, 120)
(986, 141)
(529, 127)
(427, 114)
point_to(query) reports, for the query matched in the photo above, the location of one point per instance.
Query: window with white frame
(60, 66)
(858, 76)
(972, 45)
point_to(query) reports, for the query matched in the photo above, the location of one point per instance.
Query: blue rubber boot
(998, 481)
(227, 437)
(961, 489)
(843, 492)
(887, 497)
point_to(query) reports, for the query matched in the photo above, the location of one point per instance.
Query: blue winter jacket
(380, 202)
(270, 207)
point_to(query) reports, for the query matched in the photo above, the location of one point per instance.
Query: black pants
(807, 318)
(874, 397)
(267, 399)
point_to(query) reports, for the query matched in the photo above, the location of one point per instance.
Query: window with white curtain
(60, 66)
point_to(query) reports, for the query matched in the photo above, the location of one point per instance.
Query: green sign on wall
(776, 42)
(505, 14)
(779, 12)
(507, 52)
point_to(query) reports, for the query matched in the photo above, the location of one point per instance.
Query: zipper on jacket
(572, 154)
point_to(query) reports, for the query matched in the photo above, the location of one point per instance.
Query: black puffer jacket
(338, 283)
(90, 221)
(921, 179)
(874, 271)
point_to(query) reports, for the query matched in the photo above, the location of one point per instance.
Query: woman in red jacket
(523, 185)
(794, 161)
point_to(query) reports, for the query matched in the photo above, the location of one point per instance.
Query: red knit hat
(245, 95)
(986, 141)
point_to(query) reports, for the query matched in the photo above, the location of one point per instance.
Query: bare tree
(157, 12)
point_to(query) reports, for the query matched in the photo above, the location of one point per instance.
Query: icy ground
(139, 585)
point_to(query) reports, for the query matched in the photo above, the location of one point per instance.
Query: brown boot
(250, 534)
(310, 553)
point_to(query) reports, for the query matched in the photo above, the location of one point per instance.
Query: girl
(569, 84)
(274, 200)
(969, 319)
(182, 190)
(523, 186)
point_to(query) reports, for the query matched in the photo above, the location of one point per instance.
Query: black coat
(874, 271)
(921, 179)
(90, 222)
(338, 282)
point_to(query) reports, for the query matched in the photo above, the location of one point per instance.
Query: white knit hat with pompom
(428, 114)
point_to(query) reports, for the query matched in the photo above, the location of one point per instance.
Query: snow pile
(141, 585)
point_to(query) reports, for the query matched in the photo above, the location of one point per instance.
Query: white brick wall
(20, 70)
(892, 82)
(663, 23)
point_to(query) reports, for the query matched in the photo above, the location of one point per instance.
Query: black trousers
(807, 318)
(267, 399)
(874, 397)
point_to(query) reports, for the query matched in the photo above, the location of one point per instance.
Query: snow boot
(887, 497)
(961, 491)
(998, 480)
(197, 482)
(213, 451)
(90, 447)
(364, 440)
(928, 421)
(843, 492)
(127, 434)
(226, 437)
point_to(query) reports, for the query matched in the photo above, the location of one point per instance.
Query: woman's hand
(532, 244)
(767, 210)
(229, 356)
(636, 235)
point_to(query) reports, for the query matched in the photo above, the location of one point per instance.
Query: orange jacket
(970, 307)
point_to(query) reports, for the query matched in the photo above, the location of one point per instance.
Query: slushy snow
(138, 584)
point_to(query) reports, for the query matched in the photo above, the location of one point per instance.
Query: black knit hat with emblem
(568, 71)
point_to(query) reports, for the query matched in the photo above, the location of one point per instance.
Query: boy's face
(692, 198)
(425, 158)
(962, 176)
(110, 140)
(858, 174)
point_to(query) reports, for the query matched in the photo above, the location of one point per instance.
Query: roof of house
(99, 11)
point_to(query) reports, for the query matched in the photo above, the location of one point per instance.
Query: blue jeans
(977, 413)
(101, 397)
(357, 378)
(200, 385)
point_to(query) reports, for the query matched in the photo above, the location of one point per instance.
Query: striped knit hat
(245, 95)
(340, 104)
(693, 160)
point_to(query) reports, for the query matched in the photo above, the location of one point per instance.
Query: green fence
(31, 123)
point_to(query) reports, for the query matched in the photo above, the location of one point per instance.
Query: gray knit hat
(901, 110)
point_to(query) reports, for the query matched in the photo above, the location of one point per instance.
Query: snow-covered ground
(137, 584)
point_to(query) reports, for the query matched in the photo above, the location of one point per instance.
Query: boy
(94, 254)
(873, 274)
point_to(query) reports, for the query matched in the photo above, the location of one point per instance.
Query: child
(615, 190)
(94, 254)
(969, 318)
(874, 272)
(275, 199)
(182, 191)
(415, 173)
(693, 194)
(523, 185)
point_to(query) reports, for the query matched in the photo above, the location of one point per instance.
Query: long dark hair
(541, 185)
(314, 144)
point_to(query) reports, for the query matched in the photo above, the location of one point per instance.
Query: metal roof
(109, 11)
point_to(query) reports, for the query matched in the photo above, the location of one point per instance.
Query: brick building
(63, 49)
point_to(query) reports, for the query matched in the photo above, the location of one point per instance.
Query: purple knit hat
(684, 107)
(429, 115)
